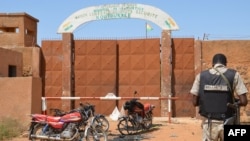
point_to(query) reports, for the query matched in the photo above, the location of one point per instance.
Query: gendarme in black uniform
(215, 94)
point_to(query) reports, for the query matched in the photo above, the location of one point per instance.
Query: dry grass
(9, 128)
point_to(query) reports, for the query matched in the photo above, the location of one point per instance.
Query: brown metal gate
(120, 67)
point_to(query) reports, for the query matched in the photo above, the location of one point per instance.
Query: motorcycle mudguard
(96, 117)
(148, 107)
(99, 115)
(123, 118)
(32, 125)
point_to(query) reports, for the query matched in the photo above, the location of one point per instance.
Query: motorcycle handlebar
(86, 104)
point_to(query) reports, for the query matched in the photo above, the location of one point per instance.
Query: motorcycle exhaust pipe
(53, 138)
(46, 138)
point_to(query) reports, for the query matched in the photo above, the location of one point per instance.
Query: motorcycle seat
(42, 117)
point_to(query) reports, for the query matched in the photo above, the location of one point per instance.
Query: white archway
(118, 11)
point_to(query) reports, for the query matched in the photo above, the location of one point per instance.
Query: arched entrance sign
(118, 11)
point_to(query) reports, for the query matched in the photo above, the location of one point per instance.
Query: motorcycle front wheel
(126, 127)
(101, 121)
(96, 134)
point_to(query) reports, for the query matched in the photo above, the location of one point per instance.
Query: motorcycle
(139, 117)
(89, 111)
(71, 126)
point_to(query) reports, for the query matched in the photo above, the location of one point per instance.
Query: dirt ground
(178, 129)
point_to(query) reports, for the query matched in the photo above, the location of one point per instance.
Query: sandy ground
(178, 129)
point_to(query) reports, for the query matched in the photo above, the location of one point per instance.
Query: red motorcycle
(139, 117)
(71, 126)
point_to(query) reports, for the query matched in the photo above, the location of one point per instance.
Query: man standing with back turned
(213, 90)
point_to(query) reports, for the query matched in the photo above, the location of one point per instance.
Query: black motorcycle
(139, 117)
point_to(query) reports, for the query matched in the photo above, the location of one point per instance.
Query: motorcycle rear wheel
(96, 134)
(37, 131)
(148, 121)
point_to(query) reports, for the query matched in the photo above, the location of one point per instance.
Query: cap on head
(219, 58)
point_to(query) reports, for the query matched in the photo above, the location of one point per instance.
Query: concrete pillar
(67, 45)
(197, 57)
(197, 66)
(166, 70)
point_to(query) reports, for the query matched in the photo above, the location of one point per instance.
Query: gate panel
(139, 70)
(95, 69)
(52, 77)
(183, 76)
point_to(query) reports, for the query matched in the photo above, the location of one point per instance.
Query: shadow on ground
(140, 135)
